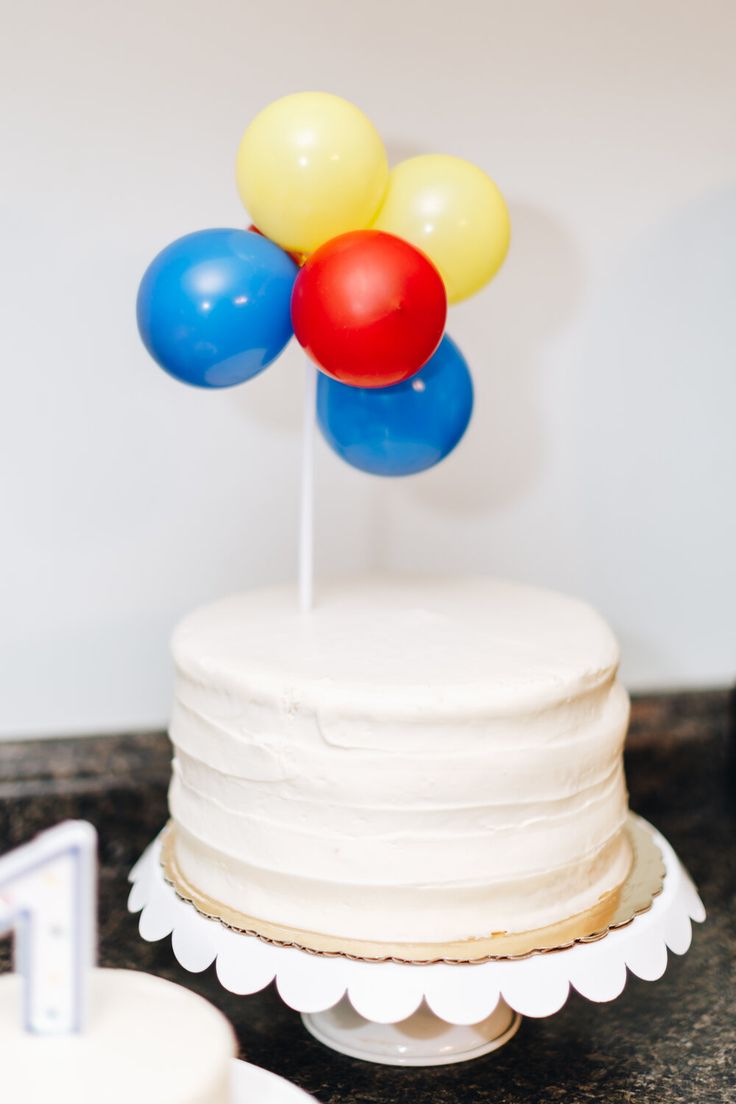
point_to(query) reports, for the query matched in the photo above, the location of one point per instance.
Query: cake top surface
(400, 644)
(145, 1040)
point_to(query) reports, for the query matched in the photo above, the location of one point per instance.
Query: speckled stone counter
(665, 1042)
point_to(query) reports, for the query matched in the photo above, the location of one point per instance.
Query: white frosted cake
(413, 760)
(148, 1042)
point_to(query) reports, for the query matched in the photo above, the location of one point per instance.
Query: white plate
(253, 1085)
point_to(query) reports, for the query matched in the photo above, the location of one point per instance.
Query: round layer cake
(413, 760)
(148, 1042)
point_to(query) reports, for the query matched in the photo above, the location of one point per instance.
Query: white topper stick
(306, 518)
(48, 899)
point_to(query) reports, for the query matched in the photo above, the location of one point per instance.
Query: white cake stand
(412, 1015)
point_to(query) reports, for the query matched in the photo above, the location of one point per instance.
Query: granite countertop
(666, 1042)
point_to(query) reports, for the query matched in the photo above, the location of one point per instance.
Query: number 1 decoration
(48, 901)
(360, 263)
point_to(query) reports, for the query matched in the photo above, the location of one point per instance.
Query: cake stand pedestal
(402, 1014)
(422, 1039)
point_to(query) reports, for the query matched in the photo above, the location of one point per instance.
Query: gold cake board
(614, 910)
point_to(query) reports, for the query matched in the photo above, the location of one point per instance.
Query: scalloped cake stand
(419, 1015)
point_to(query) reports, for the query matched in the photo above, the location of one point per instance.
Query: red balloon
(369, 308)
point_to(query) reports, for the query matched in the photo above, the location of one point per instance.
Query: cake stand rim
(387, 992)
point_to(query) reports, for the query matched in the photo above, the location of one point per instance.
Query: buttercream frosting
(412, 760)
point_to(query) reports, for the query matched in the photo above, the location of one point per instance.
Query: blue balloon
(402, 429)
(214, 307)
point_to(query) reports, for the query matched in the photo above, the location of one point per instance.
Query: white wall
(601, 458)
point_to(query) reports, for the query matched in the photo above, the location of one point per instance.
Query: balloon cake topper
(359, 263)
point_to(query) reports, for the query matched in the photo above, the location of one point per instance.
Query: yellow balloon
(453, 212)
(311, 166)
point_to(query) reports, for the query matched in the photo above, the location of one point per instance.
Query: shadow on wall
(655, 422)
(275, 398)
(535, 297)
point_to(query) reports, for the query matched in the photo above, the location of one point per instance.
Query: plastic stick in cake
(47, 899)
(306, 519)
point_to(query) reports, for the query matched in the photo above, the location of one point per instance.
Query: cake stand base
(422, 1039)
